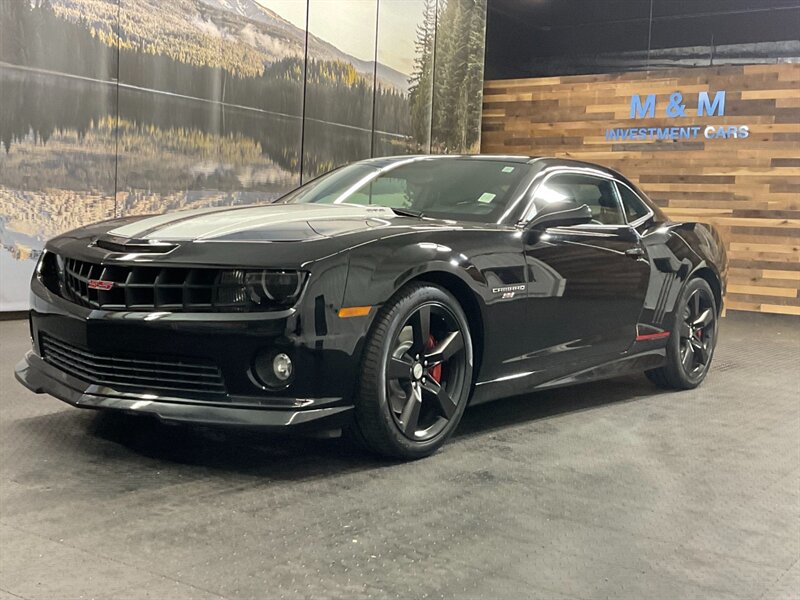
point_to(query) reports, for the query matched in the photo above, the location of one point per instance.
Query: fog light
(272, 369)
(282, 366)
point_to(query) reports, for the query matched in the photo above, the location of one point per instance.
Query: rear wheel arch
(713, 281)
(690, 347)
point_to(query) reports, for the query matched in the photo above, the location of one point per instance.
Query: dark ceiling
(528, 38)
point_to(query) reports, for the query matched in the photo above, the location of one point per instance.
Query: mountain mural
(195, 31)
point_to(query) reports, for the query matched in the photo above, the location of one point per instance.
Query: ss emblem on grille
(99, 284)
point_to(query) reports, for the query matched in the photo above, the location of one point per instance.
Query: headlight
(49, 270)
(280, 288)
(245, 290)
(274, 287)
(40, 263)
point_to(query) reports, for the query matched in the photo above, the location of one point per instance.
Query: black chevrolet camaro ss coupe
(379, 299)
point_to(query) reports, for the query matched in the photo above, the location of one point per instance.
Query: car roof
(541, 161)
(384, 161)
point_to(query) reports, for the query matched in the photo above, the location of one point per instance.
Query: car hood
(267, 223)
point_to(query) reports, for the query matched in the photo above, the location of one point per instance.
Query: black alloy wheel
(693, 338)
(417, 373)
(697, 332)
(425, 370)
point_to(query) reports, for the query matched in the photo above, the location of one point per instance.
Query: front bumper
(319, 397)
(40, 377)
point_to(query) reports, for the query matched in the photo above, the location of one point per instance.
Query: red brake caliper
(436, 371)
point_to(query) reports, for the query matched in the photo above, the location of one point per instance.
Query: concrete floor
(609, 490)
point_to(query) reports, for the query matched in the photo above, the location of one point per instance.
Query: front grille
(133, 373)
(115, 287)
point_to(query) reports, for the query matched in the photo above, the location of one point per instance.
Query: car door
(586, 283)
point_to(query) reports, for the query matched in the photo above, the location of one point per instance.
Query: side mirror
(560, 214)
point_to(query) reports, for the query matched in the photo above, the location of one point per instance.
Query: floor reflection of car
(380, 299)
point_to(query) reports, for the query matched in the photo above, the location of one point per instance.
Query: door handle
(635, 252)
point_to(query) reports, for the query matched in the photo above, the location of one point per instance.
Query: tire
(690, 347)
(416, 374)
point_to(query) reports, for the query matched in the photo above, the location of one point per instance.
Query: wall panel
(406, 40)
(131, 107)
(210, 105)
(58, 113)
(458, 76)
(340, 84)
(749, 188)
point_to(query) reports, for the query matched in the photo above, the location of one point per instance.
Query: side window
(634, 207)
(597, 193)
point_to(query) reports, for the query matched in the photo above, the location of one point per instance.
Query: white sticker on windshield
(486, 197)
(508, 169)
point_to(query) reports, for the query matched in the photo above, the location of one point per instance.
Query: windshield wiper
(407, 212)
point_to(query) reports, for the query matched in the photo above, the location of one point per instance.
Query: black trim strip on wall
(305, 84)
(116, 114)
(433, 73)
(375, 77)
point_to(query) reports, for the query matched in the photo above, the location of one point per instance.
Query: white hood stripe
(206, 224)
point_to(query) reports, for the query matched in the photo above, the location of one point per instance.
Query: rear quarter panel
(679, 252)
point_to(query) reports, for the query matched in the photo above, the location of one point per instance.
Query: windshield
(453, 188)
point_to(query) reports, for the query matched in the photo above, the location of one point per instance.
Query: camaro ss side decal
(508, 291)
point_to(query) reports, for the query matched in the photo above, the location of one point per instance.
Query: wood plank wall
(749, 188)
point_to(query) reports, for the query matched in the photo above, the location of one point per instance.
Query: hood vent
(137, 246)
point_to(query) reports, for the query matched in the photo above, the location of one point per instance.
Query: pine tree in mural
(448, 73)
(421, 81)
(458, 75)
(474, 75)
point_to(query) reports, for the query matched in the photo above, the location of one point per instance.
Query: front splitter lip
(40, 377)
